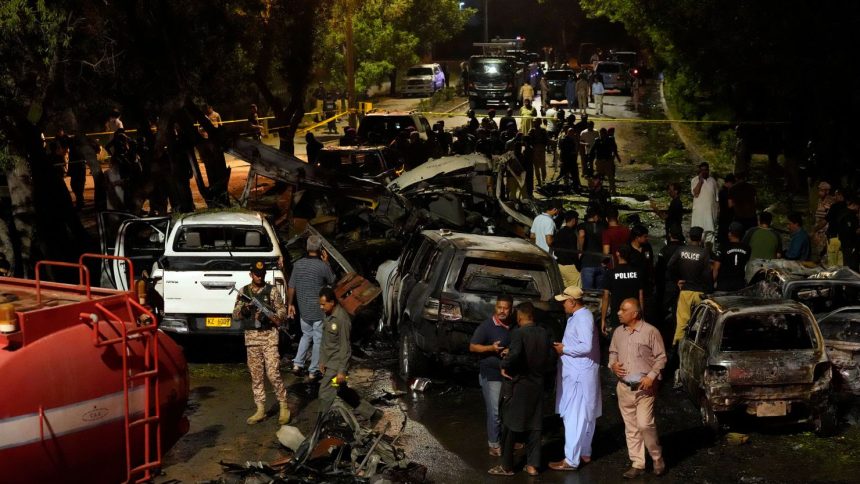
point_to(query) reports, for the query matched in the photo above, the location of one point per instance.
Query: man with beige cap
(578, 383)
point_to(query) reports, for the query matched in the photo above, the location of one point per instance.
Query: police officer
(261, 340)
(335, 352)
(691, 265)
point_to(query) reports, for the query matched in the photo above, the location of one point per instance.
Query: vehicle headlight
(178, 325)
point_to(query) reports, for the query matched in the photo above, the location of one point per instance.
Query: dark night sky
(540, 24)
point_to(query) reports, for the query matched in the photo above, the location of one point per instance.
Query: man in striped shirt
(309, 275)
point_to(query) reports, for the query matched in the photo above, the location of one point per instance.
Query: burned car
(822, 291)
(444, 284)
(841, 331)
(759, 357)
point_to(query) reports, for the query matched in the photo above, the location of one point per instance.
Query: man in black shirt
(691, 265)
(674, 214)
(507, 120)
(564, 247)
(598, 197)
(590, 240)
(605, 153)
(665, 284)
(621, 282)
(730, 266)
(642, 259)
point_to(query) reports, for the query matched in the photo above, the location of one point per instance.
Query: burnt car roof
(354, 148)
(759, 304)
(474, 242)
(840, 274)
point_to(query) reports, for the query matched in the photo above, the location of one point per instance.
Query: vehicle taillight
(431, 309)
(716, 374)
(450, 311)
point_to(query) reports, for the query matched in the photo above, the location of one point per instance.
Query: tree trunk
(23, 213)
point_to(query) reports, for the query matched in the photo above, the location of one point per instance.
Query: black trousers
(509, 437)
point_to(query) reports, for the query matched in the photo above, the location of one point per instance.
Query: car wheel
(412, 362)
(825, 422)
(709, 418)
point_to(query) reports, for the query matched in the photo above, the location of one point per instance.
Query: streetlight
(350, 65)
(486, 21)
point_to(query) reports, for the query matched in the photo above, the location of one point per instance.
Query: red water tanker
(90, 390)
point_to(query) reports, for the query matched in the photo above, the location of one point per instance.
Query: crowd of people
(515, 357)
(601, 253)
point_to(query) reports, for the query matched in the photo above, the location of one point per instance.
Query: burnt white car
(757, 357)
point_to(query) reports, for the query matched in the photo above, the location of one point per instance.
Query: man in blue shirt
(488, 341)
(799, 245)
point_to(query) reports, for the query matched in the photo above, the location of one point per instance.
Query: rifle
(267, 311)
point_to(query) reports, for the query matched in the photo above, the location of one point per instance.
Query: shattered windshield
(499, 277)
(767, 332)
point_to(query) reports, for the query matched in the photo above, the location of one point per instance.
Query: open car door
(142, 241)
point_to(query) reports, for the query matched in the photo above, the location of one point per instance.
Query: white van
(194, 260)
(423, 79)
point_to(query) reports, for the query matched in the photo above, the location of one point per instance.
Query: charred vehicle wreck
(833, 296)
(445, 284)
(756, 357)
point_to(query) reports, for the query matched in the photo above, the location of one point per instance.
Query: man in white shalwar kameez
(706, 205)
(578, 383)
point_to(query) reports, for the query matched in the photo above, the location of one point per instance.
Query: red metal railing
(151, 420)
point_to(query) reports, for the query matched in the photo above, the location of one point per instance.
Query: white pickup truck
(194, 261)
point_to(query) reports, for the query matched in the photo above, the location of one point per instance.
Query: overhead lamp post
(350, 65)
(486, 21)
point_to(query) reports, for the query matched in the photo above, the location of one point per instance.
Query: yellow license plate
(218, 322)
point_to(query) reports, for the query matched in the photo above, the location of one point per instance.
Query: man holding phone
(489, 341)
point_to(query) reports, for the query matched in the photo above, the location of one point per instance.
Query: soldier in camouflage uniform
(335, 352)
(261, 341)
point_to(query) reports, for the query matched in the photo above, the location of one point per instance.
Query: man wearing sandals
(528, 359)
(578, 384)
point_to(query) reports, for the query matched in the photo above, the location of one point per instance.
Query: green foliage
(32, 38)
(388, 35)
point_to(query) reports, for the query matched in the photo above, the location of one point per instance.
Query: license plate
(771, 409)
(218, 322)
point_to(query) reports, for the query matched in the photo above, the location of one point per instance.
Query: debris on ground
(735, 438)
(338, 450)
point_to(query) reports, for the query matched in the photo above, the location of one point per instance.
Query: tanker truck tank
(92, 390)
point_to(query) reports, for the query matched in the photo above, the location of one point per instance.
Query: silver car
(423, 79)
(615, 76)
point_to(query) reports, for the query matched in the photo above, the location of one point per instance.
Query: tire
(412, 361)
(709, 418)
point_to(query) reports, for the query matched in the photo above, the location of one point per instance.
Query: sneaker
(313, 377)
(298, 370)
(496, 451)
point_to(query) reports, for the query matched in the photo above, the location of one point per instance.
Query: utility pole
(350, 65)
(486, 21)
